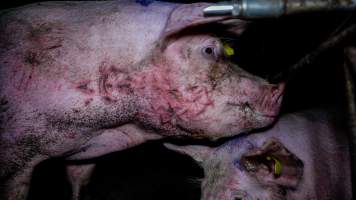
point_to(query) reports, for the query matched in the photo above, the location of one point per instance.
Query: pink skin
(214, 100)
(79, 85)
(79, 176)
(312, 149)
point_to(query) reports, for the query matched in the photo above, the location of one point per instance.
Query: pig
(79, 80)
(305, 155)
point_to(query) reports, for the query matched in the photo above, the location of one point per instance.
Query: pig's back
(48, 49)
(68, 40)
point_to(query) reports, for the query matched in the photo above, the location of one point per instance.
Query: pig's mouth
(247, 108)
(266, 115)
(266, 106)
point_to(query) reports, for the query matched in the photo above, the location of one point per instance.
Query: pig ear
(274, 164)
(198, 152)
(235, 26)
(188, 15)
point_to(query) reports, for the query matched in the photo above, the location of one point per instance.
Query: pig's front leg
(16, 186)
(79, 176)
(113, 140)
(110, 140)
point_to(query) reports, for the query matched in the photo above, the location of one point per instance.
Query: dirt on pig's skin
(84, 79)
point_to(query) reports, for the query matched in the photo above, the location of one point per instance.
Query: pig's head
(192, 88)
(240, 170)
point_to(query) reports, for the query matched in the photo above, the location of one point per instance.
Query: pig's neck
(146, 89)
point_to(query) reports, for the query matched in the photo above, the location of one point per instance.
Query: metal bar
(350, 72)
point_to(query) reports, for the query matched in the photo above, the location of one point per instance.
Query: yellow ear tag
(277, 165)
(228, 49)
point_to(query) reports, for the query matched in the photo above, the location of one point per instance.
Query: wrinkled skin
(312, 150)
(82, 79)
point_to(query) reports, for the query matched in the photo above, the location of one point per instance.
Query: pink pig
(303, 156)
(79, 80)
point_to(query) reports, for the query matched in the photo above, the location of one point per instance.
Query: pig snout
(256, 95)
(253, 102)
(269, 100)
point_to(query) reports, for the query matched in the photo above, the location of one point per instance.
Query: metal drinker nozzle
(252, 9)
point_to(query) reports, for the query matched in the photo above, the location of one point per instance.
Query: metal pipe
(254, 9)
(350, 72)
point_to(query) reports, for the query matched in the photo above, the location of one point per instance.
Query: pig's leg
(16, 186)
(110, 140)
(79, 176)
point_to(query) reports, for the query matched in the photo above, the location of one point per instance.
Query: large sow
(82, 79)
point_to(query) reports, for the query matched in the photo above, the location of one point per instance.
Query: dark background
(150, 171)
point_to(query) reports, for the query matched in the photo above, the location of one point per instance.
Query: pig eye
(209, 52)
